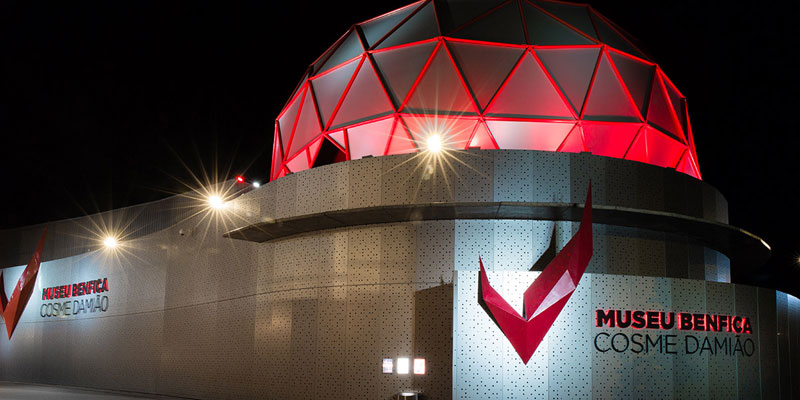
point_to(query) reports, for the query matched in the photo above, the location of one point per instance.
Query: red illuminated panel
(572, 70)
(307, 127)
(288, 118)
(402, 66)
(637, 76)
(420, 26)
(662, 150)
(454, 132)
(329, 88)
(608, 98)
(369, 139)
(299, 163)
(531, 74)
(401, 142)
(638, 150)
(338, 139)
(661, 113)
(500, 25)
(277, 155)
(364, 99)
(574, 141)
(529, 92)
(609, 139)
(482, 138)
(485, 67)
(440, 89)
(529, 135)
(376, 28)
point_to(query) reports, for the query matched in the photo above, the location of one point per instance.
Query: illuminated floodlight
(403, 365)
(110, 242)
(419, 366)
(216, 202)
(387, 366)
(256, 184)
(434, 143)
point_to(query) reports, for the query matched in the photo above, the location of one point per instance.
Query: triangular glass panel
(574, 141)
(327, 153)
(313, 149)
(376, 28)
(660, 114)
(638, 150)
(401, 67)
(676, 99)
(544, 30)
(529, 135)
(529, 92)
(307, 128)
(572, 70)
(686, 165)
(401, 142)
(454, 13)
(503, 25)
(608, 100)
(349, 48)
(453, 132)
(299, 86)
(577, 15)
(338, 138)
(484, 67)
(609, 139)
(638, 78)
(329, 87)
(277, 157)
(482, 138)
(288, 118)
(421, 26)
(440, 90)
(299, 163)
(369, 139)
(663, 150)
(612, 38)
(365, 98)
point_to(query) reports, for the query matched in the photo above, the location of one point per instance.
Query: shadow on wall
(433, 340)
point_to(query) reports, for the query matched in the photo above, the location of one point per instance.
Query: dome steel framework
(515, 74)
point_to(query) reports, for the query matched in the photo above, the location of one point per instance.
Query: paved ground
(24, 391)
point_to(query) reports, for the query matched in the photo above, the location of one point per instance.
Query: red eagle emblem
(546, 296)
(12, 309)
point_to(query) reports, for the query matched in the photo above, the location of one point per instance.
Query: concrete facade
(192, 313)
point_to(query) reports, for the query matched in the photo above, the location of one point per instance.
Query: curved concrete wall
(193, 314)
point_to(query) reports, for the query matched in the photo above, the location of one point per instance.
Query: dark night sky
(99, 100)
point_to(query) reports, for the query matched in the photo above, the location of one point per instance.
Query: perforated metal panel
(653, 368)
(473, 239)
(691, 374)
(569, 360)
(721, 368)
(768, 344)
(512, 176)
(314, 314)
(612, 371)
(474, 172)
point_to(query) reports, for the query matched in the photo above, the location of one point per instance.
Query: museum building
(468, 200)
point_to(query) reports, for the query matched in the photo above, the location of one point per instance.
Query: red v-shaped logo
(12, 309)
(547, 295)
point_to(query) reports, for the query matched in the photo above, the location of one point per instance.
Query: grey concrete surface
(25, 391)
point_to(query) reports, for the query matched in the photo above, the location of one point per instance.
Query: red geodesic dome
(515, 74)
